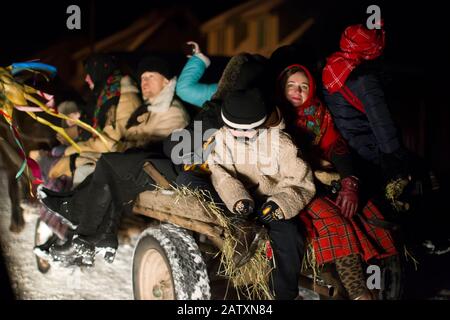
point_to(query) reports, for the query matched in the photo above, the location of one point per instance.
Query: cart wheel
(168, 265)
(42, 233)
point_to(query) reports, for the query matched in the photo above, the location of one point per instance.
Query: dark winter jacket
(372, 133)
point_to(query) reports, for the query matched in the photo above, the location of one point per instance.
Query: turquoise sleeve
(188, 87)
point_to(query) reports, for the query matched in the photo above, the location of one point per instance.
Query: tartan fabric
(357, 44)
(334, 236)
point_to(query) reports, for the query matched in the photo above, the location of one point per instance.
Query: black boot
(98, 226)
(75, 251)
(106, 242)
(58, 204)
(43, 250)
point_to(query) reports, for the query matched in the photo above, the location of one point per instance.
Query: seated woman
(256, 171)
(338, 229)
(116, 98)
(95, 207)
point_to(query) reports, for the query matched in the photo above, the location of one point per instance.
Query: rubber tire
(183, 258)
(43, 266)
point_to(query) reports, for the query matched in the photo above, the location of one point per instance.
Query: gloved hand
(269, 212)
(243, 207)
(348, 197)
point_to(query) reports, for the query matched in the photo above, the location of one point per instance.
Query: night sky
(32, 26)
(418, 32)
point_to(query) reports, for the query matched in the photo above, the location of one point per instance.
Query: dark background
(418, 32)
(417, 58)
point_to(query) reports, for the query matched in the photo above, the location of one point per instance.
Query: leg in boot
(68, 206)
(75, 251)
(352, 277)
(105, 239)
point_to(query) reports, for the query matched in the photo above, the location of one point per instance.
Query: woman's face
(297, 89)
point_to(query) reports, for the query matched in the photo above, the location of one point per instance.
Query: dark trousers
(287, 243)
(285, 236)
(116, 182)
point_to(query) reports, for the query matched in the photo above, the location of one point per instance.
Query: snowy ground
(104, 281)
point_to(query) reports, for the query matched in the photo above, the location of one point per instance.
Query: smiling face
(297, 89)
(152, 84)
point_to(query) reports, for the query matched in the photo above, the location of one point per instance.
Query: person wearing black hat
(95, 207)
(256, 172)
(161, 112)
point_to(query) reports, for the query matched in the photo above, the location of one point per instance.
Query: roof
(252, 7)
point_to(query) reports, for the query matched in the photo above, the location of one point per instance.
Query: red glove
(348, 197)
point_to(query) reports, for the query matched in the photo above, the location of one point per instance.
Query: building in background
(256, 26)
(161, 30)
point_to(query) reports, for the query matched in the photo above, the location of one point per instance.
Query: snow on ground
(103, 281)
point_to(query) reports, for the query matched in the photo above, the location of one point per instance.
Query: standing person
(255, 170)
(337, 232)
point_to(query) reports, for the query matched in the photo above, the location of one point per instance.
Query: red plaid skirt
(334, 236)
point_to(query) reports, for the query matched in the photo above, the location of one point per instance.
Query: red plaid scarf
(357, 44)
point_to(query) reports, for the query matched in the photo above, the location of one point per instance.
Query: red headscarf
(314, 118)
(312, 99)
(357, 44)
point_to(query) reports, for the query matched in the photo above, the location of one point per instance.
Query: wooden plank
(168, 202)
(156, 175)
(213, 232)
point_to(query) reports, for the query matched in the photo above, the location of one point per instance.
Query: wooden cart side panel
(186, 206)
(213, 232)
